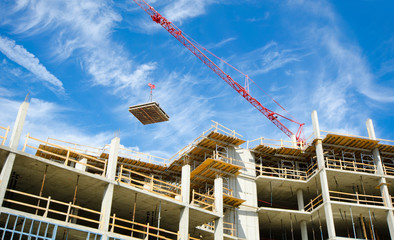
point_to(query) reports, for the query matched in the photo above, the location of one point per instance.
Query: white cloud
(21, 56)
(55, 119)
(179, 10)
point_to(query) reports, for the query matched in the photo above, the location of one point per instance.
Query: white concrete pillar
(304, 230)
(293, 141)
(184, 224)
(244, 186)
(185, 184)
(384, 191)
(14, 142)
(113, 158)
(106, 206)
(218, 193)
(185, 196)
(106, 203)
(323, 177)
(300, 200)
(18, 125)
(80, 166)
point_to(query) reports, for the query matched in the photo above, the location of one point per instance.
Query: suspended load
(148, 113)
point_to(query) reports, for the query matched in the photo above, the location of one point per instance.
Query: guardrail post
(113, 222)
(47, 207)
(68, 211)
(147, 231)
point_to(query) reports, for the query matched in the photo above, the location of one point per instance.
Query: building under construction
(219, 186)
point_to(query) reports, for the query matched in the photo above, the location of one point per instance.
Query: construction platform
(148, 113)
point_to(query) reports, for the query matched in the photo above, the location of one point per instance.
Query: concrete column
(15, 137)
(18, 125)
(113, 158)
(304, 230)
(185, 184)
(81, 167)
(384, 191)
(218, 193)
(185, 195)
(300, 200)
(106, 204)
(293, 141)
(323, 177)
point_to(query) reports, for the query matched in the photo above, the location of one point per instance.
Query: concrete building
(218, 187)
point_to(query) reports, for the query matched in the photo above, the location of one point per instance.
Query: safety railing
(275, 143)
(356, 198)
(68, 156)
(3, 138)
(149, 183)
(120, 225)
(313, 203)
(76, 147)
(204, 201)
(143, 157)
(350, 165)
(53, 208)
(216, 127)
(388, 170)
(286, 172)
(228, 228)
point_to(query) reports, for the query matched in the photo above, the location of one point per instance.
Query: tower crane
(188, 43)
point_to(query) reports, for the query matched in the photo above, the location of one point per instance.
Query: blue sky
(85, 62)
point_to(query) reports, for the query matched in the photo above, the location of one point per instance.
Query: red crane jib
(177, 33)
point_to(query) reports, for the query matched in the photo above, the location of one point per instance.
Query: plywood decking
(232, 201)
(210, 168)
(149, 113)
(348, 141)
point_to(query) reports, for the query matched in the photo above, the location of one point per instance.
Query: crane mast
(177, 33)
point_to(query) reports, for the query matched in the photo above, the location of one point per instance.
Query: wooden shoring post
(291, 227)
(42, 187)
(25, 145)
(135, 205)
(47, 207)
(113, 222)
(75, 190)
(363, 226)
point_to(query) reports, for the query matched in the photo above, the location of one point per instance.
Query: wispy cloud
(180, 10)
(56, 124)
(267, 58)
(21, 56)
(220, 44)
